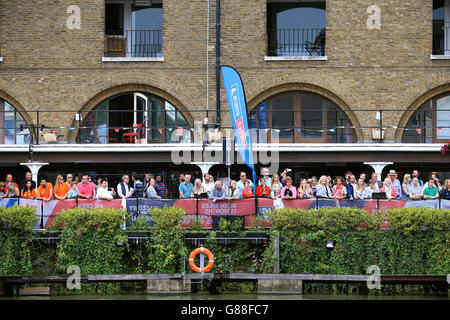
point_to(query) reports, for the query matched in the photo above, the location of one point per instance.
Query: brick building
(341, 83)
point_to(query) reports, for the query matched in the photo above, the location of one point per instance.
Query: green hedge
(418, 243)
(16, 235)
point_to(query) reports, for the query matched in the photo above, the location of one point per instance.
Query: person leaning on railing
(28, 192)
(86, 189)
(406, 186)
(73, 192)
(11, 191)
(103, 193)
(288, 191)
(445, 193)
(247, 192)
(186, 187)
(275, 187)
(430, 192)
(323, 190)
(2, 190)
(304, 190)
(339, 190)
(361, 191)
(151, 191)
(218, 192)
(198, 188)
(415, 191)
(233, 193)
(45, 190)
(262, 190)
(388, 189)
(61, 189)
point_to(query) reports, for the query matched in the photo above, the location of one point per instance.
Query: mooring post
(276, 254)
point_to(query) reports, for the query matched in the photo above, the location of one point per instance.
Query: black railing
(296, 42)
(116, 126)
(133, 43)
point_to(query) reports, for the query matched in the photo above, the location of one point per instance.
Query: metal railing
(133, 43)
(296, 42)
(441, 40)
(97, 126)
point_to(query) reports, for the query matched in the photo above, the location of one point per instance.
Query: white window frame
(127, 25)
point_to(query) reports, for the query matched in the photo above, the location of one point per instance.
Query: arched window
(10, 125)
(135, 118)
(298, 117)
(430, 123)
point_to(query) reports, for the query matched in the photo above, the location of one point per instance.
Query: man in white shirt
(103, 193)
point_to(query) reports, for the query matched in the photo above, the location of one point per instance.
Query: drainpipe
(218, 62)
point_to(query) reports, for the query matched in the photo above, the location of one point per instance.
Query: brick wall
(48, 67)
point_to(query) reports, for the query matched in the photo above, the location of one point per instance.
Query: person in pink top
(289, 191)
(86, 189)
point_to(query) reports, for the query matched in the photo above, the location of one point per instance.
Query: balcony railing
(96, 127)
(441, 40)
(296, 42)
(133, 43)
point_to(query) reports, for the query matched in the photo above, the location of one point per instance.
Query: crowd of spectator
(274, 187)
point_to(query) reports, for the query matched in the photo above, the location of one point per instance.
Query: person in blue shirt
(186, 187)
(240, 184)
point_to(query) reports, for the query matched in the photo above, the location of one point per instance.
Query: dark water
(236, 297)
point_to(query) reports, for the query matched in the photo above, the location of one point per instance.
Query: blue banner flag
(237, 103)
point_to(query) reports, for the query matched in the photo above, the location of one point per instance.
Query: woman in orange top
(61, 188)
(28, 191)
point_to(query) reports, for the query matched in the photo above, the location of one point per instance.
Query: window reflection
(10, 123)
(300, 117)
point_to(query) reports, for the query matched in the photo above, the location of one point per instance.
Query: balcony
(441, 41)
(133, 44)
(296, 42)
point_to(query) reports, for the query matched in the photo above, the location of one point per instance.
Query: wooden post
(276, 254)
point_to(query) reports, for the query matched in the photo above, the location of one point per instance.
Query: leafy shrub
(16, 237)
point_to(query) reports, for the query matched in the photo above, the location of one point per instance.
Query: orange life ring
(208, 254)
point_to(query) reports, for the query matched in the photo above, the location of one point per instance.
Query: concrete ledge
(132, 59)
(296, 58)
(440, 57)
(167, 287)
(280, 286)
(34, 291)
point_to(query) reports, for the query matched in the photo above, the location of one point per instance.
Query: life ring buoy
(208, 254)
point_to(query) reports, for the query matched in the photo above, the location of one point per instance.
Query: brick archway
(266, 94)
(430, 94)
(129, 88)
(17, 105)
